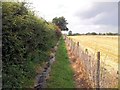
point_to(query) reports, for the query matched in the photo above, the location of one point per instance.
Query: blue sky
(82, 15)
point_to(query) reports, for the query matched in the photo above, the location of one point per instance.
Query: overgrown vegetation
(61, 74)
(26, 41)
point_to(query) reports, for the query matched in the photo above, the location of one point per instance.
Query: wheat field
(107, 45)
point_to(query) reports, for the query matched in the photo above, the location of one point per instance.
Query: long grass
(61, 75)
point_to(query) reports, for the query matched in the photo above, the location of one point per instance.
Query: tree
(93, 33)
(70, 33)
(61, 23)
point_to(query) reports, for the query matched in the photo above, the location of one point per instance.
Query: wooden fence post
(77, 49)
(78, 44)
(98, 70)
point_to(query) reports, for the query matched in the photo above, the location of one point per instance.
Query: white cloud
(75, 10)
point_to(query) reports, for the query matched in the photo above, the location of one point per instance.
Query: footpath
(61, 75)
(64, 70)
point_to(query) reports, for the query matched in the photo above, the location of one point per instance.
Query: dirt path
(80, 75)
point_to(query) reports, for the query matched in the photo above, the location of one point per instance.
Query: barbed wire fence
(95, 67)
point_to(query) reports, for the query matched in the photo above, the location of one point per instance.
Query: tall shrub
(26, 40)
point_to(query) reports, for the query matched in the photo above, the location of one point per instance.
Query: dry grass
(80, 75)
(107, 45)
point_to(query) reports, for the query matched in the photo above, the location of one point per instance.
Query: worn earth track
(80, 76)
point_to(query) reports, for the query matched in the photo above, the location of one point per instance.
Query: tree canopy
(70, 33)
(61, 23)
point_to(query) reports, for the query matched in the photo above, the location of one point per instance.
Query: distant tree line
(91, 33)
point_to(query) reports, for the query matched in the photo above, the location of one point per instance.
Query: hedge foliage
(26, 40)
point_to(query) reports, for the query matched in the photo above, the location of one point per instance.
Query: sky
(83, 16)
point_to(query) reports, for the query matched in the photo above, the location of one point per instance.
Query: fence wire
(108, 77)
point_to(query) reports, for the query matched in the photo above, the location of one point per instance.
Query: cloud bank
(82, 16)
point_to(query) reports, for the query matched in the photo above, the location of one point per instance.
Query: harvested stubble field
(108, 47)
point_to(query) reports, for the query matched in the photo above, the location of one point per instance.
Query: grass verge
(61, 75)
